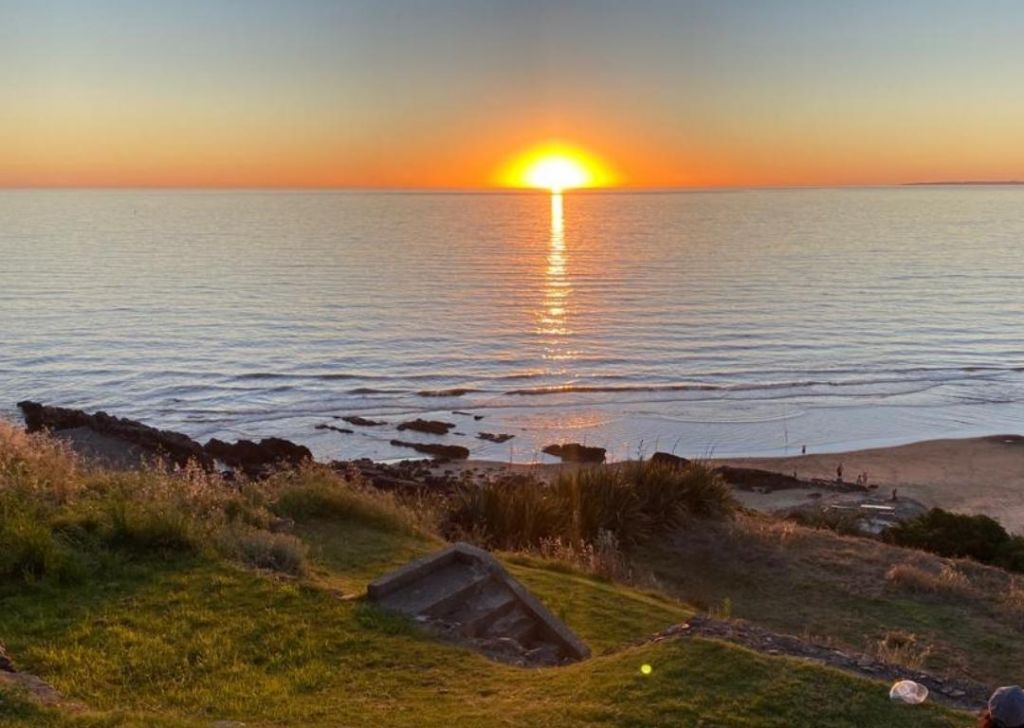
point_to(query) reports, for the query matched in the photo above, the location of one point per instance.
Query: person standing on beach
(839, 473)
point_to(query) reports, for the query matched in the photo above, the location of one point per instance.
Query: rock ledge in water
(432, 427)
(256, 459)
(176, 447)
(574, 452)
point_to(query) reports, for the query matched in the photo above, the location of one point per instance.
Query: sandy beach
(980, 475)
(975, 475)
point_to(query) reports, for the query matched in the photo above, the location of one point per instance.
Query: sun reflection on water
(554, 316)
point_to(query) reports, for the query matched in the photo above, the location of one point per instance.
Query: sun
(556, 173)
(556, 166)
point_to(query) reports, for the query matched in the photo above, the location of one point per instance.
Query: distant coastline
(968, 183)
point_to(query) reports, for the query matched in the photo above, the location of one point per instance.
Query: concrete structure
(465, 594)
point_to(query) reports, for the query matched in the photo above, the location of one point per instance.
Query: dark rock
(174, 446)
(574, 452)
(445, 452)
(257, 459)
(456, 392)
(669, 460)
(433, 427)
(500, 437)
(343, 430)
(753, 478)
(362, 421)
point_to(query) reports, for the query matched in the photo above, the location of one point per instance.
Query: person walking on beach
(803, 450)
(839, 473)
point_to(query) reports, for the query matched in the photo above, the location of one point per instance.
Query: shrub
(953, 535)
(1011, 554)
(902, 648)
(631, 502)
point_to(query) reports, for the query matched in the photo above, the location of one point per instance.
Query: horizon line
(625, 189)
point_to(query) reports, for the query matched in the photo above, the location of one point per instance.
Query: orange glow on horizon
(556, 167)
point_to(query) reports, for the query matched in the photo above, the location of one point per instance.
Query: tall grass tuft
(630, 502)
(318, 492)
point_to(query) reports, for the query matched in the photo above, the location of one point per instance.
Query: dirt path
(961, 694)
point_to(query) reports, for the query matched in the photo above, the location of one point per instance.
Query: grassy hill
(158, 600)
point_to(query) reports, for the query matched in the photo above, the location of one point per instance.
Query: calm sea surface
(704, 322)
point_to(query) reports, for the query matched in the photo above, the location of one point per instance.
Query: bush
(953, 535)
(902, 648)
(631, 502)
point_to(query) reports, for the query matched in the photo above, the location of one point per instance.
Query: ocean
(707, 323)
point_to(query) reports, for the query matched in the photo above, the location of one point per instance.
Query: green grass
(153, 635)
(192, 641)
(834, 589)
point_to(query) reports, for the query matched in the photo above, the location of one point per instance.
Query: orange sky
(670, 94)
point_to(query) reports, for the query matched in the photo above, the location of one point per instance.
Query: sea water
(701, 322)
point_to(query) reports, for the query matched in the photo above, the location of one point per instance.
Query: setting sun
(557, 167)
(557, 174)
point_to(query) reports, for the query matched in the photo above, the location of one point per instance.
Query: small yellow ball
(646, 669)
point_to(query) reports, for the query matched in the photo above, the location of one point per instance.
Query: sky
(446, 93)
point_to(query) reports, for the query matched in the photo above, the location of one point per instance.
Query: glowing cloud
(556, 167)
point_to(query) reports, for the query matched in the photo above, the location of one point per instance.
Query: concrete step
(441, 591)
(515, 624)
(464, 592)
(481, 618)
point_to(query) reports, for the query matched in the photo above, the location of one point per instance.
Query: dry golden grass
(37, 463)
(902, 648)
(61, 519)
(847, 591)
(948, 580)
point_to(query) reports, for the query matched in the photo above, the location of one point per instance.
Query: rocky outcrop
(362, 421)
(668, 460)
(410, 476)
(342, 430)
(175, 447)
(574, 452)
(256, 459)
(495, 437)
(442, 452)
(431, 427)
(753, 478)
